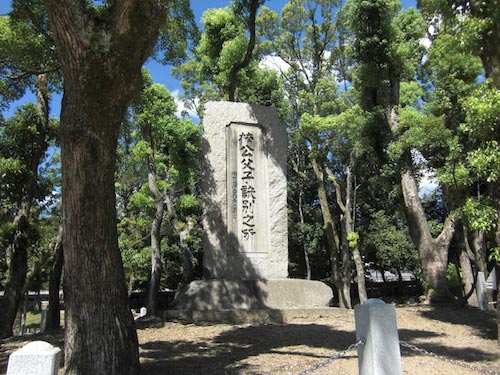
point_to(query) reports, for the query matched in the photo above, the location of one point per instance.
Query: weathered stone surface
(244, 192)
(260, 316)
(203, 295)
(35, 358)
(376, 323)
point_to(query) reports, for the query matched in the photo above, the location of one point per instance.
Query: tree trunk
(101, 54)
(187, 263)
(466, 264)
(478, 244)
(154, 280)
(349, 245)
(302, 222)
(18, 248)
(340, 278)
(99, 334)
(433, 252)
(54, 313)
(18, 267)
(253, 5)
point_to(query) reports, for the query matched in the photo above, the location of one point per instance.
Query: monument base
(220, 294)
(261, 316)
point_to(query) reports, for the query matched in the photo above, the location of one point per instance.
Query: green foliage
(223, 44)
(479, 214)
(26, 50)
(154, 139)
(388, 243)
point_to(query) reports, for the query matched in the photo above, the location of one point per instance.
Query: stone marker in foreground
(35, 358)
(376, 323)
(245, 217)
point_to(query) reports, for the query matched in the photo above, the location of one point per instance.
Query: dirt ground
(464, 335)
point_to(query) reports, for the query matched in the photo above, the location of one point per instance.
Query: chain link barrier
(341, 354)
(404, 344)
(458, 363)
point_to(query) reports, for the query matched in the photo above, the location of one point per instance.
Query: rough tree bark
(467, 259)
(340, 260)
(101, 54)
(347, 223)
(432, 252)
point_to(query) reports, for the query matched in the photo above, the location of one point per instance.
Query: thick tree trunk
(54, 313)
(341, 266)
(101, 54)
(433, 252)
(467, 264)
(99, 333)
(18, 267)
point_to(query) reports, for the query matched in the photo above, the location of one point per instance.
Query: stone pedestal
(204, 295)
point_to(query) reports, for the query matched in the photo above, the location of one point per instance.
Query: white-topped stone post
(376, 323)
(35, 358)
(482, 296)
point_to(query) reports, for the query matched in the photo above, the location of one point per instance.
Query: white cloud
(273, 62)
(181, 107)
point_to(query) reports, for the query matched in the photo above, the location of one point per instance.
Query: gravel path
(465, 335)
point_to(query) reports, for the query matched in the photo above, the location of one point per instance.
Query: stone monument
(35, 358)
(245, 221)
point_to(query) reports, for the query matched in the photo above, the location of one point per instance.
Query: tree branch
(254, 5)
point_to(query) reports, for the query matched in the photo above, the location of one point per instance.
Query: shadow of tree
(484, 322)
(226, 352)
(231, 351)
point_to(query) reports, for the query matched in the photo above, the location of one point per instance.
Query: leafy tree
(166, 148)
(101, 49)
(385, 47)
(24, 139)
(305, 39)
(224, 64)
(27, 51)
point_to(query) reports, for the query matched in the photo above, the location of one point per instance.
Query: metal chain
(458, 363)
(341, 354)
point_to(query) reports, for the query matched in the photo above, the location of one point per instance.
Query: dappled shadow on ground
(467, 354)
(224, 354)
(484, 322)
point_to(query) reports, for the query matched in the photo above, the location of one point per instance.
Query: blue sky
(160, 73)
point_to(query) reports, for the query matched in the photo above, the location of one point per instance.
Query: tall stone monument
(245, 220)
(244, 192)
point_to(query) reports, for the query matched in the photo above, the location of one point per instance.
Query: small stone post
(35, 358)
(43, 320)
(376, 323)
(482, 297)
